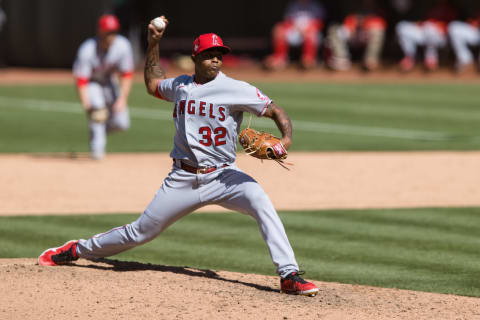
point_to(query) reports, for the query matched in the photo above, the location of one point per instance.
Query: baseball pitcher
(99, 60)
(208, 110)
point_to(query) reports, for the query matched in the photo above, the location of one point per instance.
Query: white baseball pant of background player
(411, 35)
(104, 97)
(462, 35)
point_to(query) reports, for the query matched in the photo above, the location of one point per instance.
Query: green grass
(432, 250)
(325, 117)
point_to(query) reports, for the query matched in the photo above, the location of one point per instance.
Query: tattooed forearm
(282, 120)
(152, 71)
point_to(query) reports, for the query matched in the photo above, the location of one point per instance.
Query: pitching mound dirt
(125, 290)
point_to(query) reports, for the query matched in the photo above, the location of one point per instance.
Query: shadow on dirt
(125, 266)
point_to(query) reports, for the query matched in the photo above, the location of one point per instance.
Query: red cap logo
(108, 23)
(207, 41)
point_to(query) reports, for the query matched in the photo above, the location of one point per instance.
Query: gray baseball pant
(183, 192)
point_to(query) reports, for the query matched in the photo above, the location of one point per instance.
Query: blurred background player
(431, 33)
(301, 26)
(100, 61)
(464, 35)
(364, 27)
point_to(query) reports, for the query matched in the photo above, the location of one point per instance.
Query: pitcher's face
(208, 63)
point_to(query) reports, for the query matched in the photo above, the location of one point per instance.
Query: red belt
(197, 170)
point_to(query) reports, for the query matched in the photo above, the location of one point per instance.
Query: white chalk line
(308, 126)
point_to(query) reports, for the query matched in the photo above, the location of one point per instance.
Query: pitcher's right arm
(153, 73)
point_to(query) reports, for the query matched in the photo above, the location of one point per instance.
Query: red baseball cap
(108, 23)
(207, 41)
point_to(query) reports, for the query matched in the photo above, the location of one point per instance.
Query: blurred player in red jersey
(301, 25)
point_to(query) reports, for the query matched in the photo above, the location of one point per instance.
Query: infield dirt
(125, 183)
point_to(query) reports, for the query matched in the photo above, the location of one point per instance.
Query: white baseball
(158, 23)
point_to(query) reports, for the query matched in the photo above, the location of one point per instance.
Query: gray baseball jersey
(208, 116)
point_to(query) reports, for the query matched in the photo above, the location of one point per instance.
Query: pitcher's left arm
(283, 122)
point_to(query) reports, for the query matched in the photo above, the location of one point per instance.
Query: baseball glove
(263, 145)
(98, 115)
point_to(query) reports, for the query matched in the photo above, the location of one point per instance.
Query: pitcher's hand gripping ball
(263, 145)
(98, 115)
(159, 24)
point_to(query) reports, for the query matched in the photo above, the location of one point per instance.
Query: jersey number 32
(219, 136)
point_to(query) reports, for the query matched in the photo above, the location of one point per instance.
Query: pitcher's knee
(141, 234)
(256, 197)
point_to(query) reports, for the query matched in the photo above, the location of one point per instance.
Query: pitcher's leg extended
(168, 205)
(175, 199)
(119, 239)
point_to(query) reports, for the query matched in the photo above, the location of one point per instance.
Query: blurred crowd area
(376, 33)
(275, 34)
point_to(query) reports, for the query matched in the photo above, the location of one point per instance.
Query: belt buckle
(206, 170)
